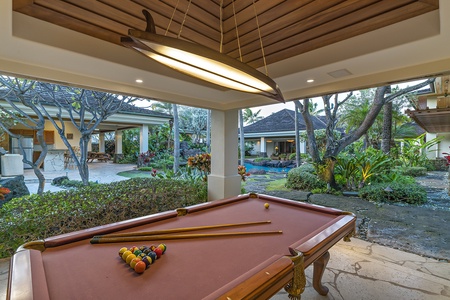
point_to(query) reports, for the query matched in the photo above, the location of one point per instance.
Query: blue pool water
(267, 169)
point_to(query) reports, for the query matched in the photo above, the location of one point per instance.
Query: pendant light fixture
(200, 62)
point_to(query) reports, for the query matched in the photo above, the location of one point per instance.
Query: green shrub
(411, 171)
(396, 177)
(129, 159)
(307, 168)
(400, 192)
(292, 156)
(67, 183)
(260, 159)
(304, 178)
(37, 217)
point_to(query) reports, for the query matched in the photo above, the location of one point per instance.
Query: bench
(100, 156)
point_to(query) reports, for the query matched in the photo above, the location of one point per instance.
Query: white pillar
(118, 141)
(224, 181)
(143, 139)
(263, 149)
(101, 142)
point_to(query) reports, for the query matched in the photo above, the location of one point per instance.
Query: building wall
(437, 150)
(58, 143)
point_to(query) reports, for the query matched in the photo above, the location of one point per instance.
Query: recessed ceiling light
(139, 81)
(310, 80)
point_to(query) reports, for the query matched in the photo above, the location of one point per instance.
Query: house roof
(409, 130)
(128, 115)
(125, 108)
(281, 121)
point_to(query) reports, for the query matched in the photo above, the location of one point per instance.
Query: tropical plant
(371, 163)
(202, 163)
(335, 146)
(250, 117)
(346, 170)
(355, 170)
(242, 170)
(4, 191)
(413, 151)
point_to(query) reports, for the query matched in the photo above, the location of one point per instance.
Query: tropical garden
(350, 155)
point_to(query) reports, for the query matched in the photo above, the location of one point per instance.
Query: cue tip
(95, 240)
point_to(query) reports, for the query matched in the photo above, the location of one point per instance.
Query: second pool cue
(182, 229)
(103, 240)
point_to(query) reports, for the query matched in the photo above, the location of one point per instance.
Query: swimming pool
(249, 167)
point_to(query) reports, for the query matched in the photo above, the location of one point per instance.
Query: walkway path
(98, 172)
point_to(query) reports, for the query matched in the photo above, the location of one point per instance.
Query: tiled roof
(125, 108)
(132, 109)
(283, 120)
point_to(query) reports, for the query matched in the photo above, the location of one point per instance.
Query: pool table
(254, 266)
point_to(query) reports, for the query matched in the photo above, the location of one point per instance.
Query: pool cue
(182, 229)
(102, 240)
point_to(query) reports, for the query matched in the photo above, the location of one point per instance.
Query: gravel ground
(421, 229)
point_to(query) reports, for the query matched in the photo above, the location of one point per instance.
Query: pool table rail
(261, 281)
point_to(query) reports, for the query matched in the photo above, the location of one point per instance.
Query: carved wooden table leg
(319, 267)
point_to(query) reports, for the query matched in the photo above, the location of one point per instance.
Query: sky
(267, 110)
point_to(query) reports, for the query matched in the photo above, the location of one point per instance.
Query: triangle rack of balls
(140, 258)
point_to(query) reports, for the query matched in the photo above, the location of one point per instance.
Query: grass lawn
(277, 185)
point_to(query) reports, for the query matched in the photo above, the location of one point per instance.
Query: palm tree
(241, 136)
(169, 108)
(176, 140)
(354, 112)
(250, 117)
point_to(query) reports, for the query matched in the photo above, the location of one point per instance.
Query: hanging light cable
(200, 62)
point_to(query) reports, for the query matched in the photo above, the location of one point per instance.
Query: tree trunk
(82, 160)
(241, 135)
(176, 139)
(387, 128)
(326, 172)
(208, 132)
(297, 136)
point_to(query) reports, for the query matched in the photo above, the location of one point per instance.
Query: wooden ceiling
(287, 28)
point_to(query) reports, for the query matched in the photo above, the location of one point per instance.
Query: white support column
(143, 139)
(263, 150)
(224, 181)
(118, 141)
(101, 142)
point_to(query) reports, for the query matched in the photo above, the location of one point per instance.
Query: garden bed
(420, 229)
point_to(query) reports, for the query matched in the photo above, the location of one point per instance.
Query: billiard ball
(130, 258)
(152, 255)
(125, 255)
(158, 252)
(163, 247)
(122, 250)
(140, 267)
(147, 260)
(134, 248)
(134, 261)
(266, 205)
(137, 252)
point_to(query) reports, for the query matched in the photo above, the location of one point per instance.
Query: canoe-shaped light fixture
(200, 61)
